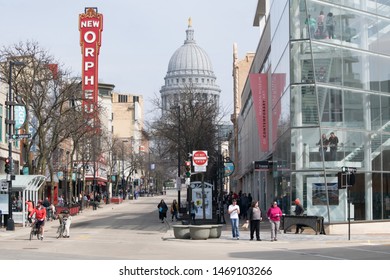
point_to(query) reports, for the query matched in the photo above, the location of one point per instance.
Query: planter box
(181, 231)
(116, 200)
(215, 231)
(200, 232)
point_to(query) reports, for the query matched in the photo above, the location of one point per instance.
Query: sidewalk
(20, 230)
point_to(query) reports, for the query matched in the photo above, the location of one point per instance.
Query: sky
(139, 37)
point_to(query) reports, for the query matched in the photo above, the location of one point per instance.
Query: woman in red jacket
(40, 216)
(274, 213)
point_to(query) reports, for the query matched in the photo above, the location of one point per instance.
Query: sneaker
(251, 239)
(275, 239)
(259, 239)
(238, 238)
(41, 238)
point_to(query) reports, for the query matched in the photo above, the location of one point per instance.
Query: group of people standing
(331, 142)
(322, 27)
(274, 214)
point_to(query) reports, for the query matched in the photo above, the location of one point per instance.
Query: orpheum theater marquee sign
(91, 27)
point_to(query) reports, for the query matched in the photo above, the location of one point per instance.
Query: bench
(314, 222)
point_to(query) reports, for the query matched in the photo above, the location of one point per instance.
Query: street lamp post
(11, 127)
(178, 180)
(123, 166)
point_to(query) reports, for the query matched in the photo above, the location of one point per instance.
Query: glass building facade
(334, 57)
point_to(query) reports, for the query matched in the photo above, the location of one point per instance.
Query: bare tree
(52, 99)
(190, 124)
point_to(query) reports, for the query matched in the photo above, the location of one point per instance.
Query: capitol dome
(189, 66)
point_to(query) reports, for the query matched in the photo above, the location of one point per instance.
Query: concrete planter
(201, 232)
(215, 231)
(181, 231)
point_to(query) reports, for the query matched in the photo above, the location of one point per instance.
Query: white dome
(190, 59)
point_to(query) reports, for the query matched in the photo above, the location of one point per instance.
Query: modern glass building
(320, 67)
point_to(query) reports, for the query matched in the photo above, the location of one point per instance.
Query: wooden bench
(314, 222)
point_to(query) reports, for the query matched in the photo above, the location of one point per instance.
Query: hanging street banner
(259, 88)
(90, 27)
(20, 116)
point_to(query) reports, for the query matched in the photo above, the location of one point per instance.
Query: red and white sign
(91, 27)
(199, 158)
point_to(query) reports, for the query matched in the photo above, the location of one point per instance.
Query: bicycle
(61, 228)
(36, 230)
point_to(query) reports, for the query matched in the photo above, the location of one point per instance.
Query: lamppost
(123, 166)
(178, 180)
(11, 127)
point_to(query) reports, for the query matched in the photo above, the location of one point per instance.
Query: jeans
(235, 231)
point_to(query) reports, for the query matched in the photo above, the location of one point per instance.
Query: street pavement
(131, 230)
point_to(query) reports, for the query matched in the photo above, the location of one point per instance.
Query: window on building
(122, 98)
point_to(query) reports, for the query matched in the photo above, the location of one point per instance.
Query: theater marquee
(91, 27)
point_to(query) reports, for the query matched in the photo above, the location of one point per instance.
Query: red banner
(259, 88)
(278, 83)
(91, 27)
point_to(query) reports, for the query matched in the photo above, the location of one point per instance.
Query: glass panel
(305, 149)
(301, 63)
(353, 109)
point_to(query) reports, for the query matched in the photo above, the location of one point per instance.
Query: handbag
(245, 225)
(160, 209)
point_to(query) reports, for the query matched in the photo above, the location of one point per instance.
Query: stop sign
(199, 158)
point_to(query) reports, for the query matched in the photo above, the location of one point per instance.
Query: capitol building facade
(189, 71)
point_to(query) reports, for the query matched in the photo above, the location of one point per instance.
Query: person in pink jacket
(274, 213)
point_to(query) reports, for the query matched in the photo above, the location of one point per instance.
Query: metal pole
(11, 122)
(349, 213)
(178, 158)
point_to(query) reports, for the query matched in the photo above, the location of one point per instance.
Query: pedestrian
(323, 146)
(333, 142)
(30, 206)
(320, 25)
(330, 25)
(193, 211)
(162, 210)
(274, 213)
(174, 210)
(254, 219)
(298, 212)
(244, 206)
(234, 211)
(65, 217)
(311, 23)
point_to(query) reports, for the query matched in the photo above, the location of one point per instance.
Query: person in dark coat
(298, 212)
(254, 219)
(162, 210)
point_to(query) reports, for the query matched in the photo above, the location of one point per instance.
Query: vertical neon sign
(90, 27)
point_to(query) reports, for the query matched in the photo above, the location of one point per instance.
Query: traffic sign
(346, 169)
(20, 136)
(3, 185)
(199, 158)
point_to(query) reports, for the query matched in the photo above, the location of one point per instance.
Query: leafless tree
(52, 99)
(190, 124)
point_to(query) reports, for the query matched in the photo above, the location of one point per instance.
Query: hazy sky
(139, 37)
